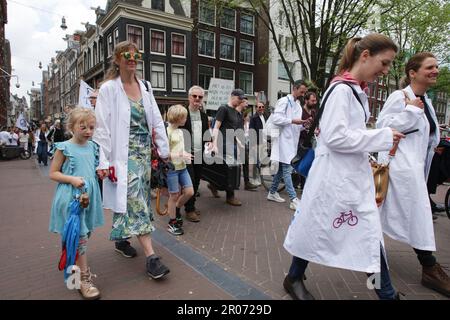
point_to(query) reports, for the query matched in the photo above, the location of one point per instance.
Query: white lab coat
(284, 147)
(406, 212)
(112, 134)
(340, 180)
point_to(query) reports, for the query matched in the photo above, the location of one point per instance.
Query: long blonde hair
(113, 70)
(374, 42)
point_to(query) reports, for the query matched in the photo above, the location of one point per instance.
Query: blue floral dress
(139, 216)
(81, 161)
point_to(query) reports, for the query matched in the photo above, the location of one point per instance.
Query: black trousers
(426, 258)
(195, 171)
(245, 165)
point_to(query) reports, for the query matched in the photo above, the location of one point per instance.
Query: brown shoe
(197, 212)
(435, 278)
(87, 288)
(192, 216)
(213, 190)
(250, 186)
(234, 202)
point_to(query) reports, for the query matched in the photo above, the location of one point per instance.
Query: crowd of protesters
(339, 184)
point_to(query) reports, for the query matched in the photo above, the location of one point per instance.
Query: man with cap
(228, 119)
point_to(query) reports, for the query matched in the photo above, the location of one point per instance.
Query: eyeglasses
(196, 96)
(127, 55)
(260, 107)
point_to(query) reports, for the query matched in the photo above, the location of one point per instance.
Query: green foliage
(416, 26)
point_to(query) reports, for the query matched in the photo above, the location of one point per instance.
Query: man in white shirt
(288, 116)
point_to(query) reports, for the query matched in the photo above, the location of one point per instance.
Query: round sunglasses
(127, 55)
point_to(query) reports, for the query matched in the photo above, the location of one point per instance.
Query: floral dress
(139, 216)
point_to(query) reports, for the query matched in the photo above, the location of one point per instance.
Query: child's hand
(187, 156)
(102, 173)
(77, 182)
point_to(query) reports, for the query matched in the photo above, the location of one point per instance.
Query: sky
(34, 33)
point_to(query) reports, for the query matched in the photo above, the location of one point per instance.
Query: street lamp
(63, 23)
(11, 76)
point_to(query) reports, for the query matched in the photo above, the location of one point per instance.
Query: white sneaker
(275, 197)
(294, 203)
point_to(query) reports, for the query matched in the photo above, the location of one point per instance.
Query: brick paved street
(233, 253)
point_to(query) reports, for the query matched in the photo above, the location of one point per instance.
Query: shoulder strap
(357, 98)
(307, 141)
(145, 84)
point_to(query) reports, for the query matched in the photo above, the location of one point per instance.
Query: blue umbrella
(71, 236)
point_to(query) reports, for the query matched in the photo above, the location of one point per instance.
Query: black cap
(238, 93)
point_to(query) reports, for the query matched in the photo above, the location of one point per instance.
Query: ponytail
(374, 42)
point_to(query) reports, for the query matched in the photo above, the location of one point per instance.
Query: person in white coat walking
(126, 113)
(406, 213)
(337, 223)
(288, 116)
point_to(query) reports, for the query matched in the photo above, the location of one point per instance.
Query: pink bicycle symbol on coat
(345, 217)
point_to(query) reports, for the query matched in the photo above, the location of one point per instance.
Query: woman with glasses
(126, 113)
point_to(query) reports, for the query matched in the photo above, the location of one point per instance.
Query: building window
(158, 75)
(178, 78)
(246, 82)
(283, 74)
(207, 13)
(136, 35)
(157, 42)
(227, 47)
(158, 5)
(100, 49)
(140, 69)
(206, 43)
(246, 52)
(247, 24)
(95, 53)
(227, 74)
(205, 73)
(116, 36)
(380, 92)
(287, 44)
(178, 45)
(228, 19)
(110, 45)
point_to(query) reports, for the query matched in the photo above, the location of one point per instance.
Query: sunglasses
(260, 107)
(127, 55)
(196, 96)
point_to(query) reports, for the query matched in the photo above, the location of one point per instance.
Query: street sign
(219, 92)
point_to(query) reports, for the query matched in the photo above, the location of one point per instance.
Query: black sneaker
(174, 228)
(125, 248)
(180, 222)
(155, 269)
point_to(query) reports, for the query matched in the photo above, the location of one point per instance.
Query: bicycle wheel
(447, 202)
(266, 174)
(25, 154)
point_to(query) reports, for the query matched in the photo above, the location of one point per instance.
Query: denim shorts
(175, 178)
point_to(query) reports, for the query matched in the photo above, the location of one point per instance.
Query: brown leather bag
(381, 177)
(158, 204)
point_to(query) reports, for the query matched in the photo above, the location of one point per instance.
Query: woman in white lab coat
(337, 223)
(126, 113)
(406, 213)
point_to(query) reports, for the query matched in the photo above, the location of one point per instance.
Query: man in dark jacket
(196, 124)
(258, 123)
